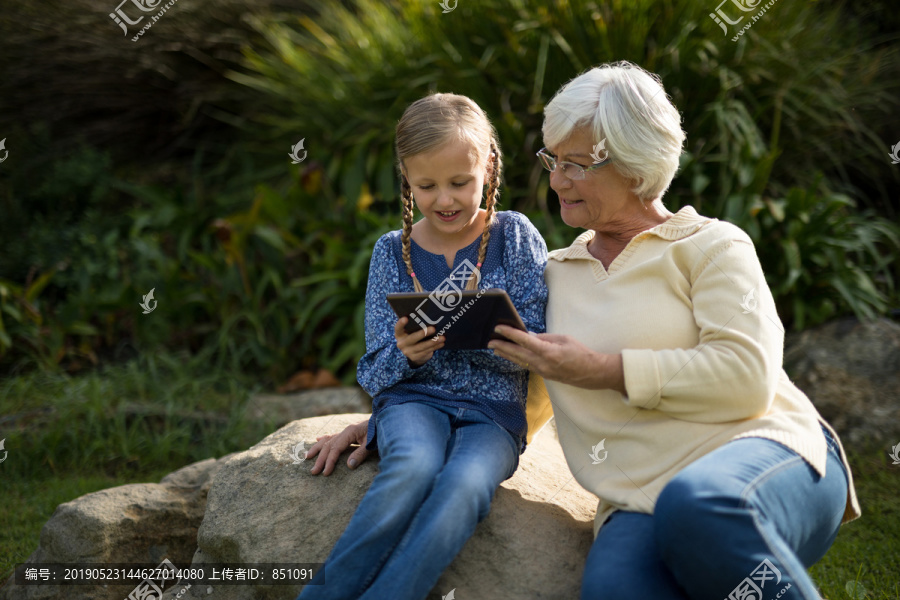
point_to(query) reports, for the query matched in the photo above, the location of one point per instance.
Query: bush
(769, 135)
(263, 267)
(68, 65)
(267, 285)
(823, 256)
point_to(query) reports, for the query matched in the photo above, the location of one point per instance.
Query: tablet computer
(466, 318)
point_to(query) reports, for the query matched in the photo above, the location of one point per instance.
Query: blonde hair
(429, 123)
(627, 106)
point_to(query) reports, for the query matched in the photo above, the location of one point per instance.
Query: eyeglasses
(571, 170)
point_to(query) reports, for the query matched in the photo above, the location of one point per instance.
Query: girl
(449, 425)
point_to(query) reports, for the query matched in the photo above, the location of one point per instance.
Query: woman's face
(602, 200)
(447, 186)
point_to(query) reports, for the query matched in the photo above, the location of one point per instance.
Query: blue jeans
(715, 523)
(439, 469)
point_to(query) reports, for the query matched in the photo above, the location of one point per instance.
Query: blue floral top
(515, 260)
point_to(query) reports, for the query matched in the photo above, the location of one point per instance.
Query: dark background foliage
(162, 163)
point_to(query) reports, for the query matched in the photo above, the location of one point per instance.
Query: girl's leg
(750, 516)
(412, 443)
(624, 562)
(480, 456)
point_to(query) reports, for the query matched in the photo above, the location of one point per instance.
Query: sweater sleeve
(733, 371)
(383, 365)
(524, 258)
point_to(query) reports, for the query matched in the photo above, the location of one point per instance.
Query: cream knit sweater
(687, 306)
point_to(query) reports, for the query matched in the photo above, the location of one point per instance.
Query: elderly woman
(716, 478)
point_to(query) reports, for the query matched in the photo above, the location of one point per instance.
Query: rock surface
(850, 370)
(281, 409)
(136, 523)
(263, 508)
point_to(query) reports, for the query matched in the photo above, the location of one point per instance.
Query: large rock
(137, 523)
(281, 409)
(263, 508)
(850, 369)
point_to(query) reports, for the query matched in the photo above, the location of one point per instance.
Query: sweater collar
(682, 224)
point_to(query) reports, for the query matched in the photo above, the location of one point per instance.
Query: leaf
(855, 590)
(38, 285)
(81, 328)
(271, 236)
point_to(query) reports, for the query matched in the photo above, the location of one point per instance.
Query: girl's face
(447, 186)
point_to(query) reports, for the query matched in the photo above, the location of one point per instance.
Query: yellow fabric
(538, 409)
(687, 306)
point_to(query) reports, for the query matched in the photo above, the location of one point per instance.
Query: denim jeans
(439, 469)
(716, 521)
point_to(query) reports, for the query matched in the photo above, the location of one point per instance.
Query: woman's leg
(480, 456)
(624, 563)
(412, 443)
(750, 516)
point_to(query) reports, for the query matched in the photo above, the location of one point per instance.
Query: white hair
(627, 106)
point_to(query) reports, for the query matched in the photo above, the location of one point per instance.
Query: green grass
(128, 423)
(73, 436)
(28, 504)
(867, 550)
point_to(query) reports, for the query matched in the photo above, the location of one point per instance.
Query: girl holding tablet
(449, 425)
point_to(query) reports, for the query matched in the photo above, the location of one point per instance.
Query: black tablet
(466, 318)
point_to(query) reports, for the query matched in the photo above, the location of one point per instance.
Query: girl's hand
(330, 447)
(414, 346)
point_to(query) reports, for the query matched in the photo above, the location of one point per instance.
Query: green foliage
(766, 117)
(263, 267)
(135, 422)
(67, 64)
(342, 77)
(29, 503)
(49, 256)
(822, 256)
(150, 413)
(866, 551)
(265, 280)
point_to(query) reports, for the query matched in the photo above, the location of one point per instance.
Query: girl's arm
(384, 364)
(524, 257)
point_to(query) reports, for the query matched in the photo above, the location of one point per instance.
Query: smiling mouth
(448, 214)
(570, 202)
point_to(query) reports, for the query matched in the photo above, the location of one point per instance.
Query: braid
(408, 204)
(490, 201)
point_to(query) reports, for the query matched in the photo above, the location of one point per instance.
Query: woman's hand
(561, 358)
(414, 346)
(330, 447)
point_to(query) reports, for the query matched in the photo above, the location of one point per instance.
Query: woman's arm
(561, 358)
(731, 374)
(733, 371)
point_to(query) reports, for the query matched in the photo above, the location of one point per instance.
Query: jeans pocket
(830, 442)
(835, 450)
